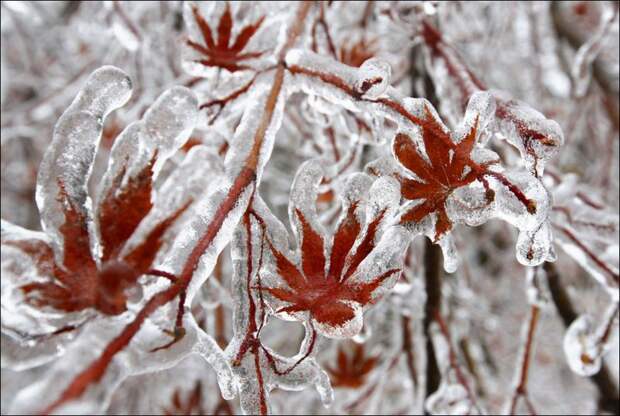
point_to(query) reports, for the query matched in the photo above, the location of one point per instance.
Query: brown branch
(307, 354)
(368, 10)
(432, 276)
(606, 330)
(521, 388)
(222, 102)
(471, 365)
(328, 37)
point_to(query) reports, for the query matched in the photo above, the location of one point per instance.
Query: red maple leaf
(223, 54)
(327, 296)
(79, 282)
(448, 168)
(351, 371)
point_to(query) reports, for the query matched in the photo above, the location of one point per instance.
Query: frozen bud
(374, 78)
(535, 246)
(521, 199)
(580, 347)
(537, 138)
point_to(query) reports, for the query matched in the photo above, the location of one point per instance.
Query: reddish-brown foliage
(223, 54)
(324, 295)
(439, 178)
(123, 208)
(79, 283)
(351, 370)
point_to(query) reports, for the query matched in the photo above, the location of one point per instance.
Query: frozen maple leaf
(444, 167)
(72, 273)
(223, 52)
(256, 366)
(352, 369)
(448, 166)
(330, 283)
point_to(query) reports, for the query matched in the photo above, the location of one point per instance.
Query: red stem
(588, 252)
(521, 388)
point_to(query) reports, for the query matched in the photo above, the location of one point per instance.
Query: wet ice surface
(324, 151)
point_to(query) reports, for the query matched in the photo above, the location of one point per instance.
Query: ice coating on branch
(534, 247)
(585, 343)
(106, 89)
(67, 164)
(243, 166)
(450, 255)
(480, 112)
(470, 205)
(303, 200)
(208, 349)
(313, 63)
(139, 153)
(319, 111)
(169, 122)
(449, 399)
(537, 138)
(132, 361)
(510, 208)
(374, 78)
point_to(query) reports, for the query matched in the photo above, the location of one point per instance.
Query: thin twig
(523, 369)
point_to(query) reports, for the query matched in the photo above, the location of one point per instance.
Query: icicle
(585, 344)
(68, 161)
